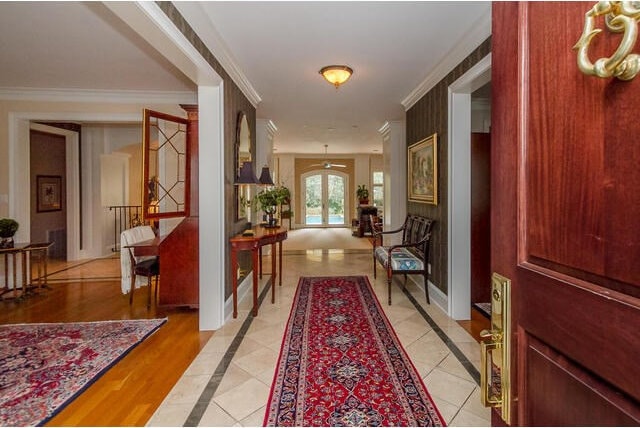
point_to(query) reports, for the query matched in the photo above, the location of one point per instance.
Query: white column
(211, 206)
(394, 155)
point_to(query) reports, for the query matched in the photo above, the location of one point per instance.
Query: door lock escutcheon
(495, 358)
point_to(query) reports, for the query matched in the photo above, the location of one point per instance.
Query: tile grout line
(206, 396)
(468, 365)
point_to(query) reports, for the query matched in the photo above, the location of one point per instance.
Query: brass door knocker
(621, 17)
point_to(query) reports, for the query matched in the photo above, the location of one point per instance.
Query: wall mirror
(242, 154)
(166, 168)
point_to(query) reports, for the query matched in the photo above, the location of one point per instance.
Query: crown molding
(385, 129)
(479, 32)
(271, 127)
(98, 95)
(198, 19)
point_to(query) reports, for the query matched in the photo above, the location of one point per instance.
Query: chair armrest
(410, 244)
(388, 232)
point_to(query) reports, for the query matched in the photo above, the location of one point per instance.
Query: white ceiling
(393, 47)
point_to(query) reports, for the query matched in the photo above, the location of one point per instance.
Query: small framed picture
(49, 196)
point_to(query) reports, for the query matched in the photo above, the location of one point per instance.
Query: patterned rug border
(161, 322)
(392, 332)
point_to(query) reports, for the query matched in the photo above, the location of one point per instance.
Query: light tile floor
(220, 389)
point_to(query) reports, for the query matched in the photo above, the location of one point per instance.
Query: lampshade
(246, 176)
(265, 177)
(336, 74)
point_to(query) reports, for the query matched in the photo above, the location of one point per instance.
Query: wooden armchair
(409, 257)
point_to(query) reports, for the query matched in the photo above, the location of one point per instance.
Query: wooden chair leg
(426, 289)
(133, 287)
(149, 294)
(374, 267)
(155, 296)
(389, 277)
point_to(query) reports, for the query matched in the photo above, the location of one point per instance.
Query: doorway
(459, 231)
(325, 199)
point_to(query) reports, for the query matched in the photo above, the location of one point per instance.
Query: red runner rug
(341, 363)
(45, 366)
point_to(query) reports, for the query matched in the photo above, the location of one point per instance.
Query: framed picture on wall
(49, 193)
(422, 171)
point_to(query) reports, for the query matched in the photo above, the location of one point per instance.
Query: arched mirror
(242, 154)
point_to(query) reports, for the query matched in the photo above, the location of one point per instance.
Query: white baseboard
(436, 296)
(244, 288)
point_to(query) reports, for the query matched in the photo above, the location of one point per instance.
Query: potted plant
(268, 201)
(363, 194)
(8, 228)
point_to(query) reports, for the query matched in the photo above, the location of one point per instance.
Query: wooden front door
(566, 218)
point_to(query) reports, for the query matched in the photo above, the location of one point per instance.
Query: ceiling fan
(328, 164)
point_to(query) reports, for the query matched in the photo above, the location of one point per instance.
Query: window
(378, 189)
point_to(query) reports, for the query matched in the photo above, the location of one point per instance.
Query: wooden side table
(261, 236)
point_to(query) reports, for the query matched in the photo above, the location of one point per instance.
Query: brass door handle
(495, 357)
(489, 397)
(495, 335)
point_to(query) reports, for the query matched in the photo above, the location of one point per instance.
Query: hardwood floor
(128, 393)
(476, 324)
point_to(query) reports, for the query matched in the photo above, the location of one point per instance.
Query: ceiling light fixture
(336, 74)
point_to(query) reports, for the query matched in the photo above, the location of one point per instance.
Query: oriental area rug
(341, 363)
(43, 367)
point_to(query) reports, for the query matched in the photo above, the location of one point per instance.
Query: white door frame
(459, 155)
(19, 173)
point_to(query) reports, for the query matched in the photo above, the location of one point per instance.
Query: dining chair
(134, 268)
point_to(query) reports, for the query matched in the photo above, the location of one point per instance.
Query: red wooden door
(566, 218)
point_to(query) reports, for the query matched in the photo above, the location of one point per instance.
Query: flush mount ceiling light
(336, 74)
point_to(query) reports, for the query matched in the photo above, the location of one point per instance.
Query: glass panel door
(335, 202)
(325, 199)
(312, 186)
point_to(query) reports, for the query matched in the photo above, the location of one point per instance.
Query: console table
(20, 286)
(261, 236)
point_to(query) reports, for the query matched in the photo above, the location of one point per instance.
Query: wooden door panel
(564, 218)
(579, 156)
(591, 329)
(591, 399)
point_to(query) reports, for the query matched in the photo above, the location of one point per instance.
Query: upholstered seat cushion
(401, 259)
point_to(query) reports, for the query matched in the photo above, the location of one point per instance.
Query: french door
(325, 202)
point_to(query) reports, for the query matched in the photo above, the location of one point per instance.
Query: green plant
(362, 192)
(269, 199)
(8, 227)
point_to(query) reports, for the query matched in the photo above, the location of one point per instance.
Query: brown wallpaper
(430, 115)
(234, 102)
